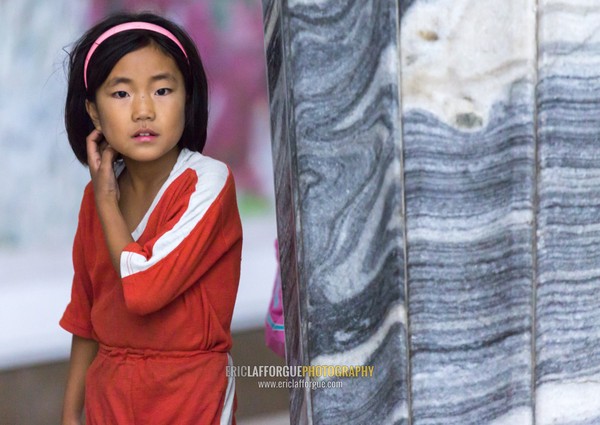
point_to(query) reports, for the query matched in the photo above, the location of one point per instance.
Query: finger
(92, 141)
(96, 136)
(109, 154)
(102, 145)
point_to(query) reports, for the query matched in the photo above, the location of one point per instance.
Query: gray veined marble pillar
(334, 87)
(438, 200)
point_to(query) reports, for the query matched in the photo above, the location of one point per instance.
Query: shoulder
(201, 185)
(87, 211)
(207, 173)
(87, 202)
(203, 165)
(88, 191)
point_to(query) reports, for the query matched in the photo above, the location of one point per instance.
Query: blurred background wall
(42, 183)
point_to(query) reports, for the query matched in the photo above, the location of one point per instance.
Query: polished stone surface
(438, 173)
(469, 164)
(335, 104)
(285, 192)
(568, 301)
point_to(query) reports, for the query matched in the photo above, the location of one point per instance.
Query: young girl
(158, 246)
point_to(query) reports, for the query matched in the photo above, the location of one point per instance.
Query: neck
(146, 176)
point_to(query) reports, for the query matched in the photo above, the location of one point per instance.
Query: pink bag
(274, 324)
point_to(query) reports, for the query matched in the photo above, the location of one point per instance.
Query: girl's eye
(163, 91)
(120, 94)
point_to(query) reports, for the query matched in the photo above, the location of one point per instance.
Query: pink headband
(126, 27)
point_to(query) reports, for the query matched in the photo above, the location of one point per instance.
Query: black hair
(77, 121)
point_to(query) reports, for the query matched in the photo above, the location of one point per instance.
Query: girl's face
(140, 108)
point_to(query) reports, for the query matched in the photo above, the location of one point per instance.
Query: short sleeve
(203, 227)
(77, 316)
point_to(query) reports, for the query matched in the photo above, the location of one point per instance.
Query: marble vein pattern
(344, 100)
(482, 124)
(283, 148)
(468, 77)
(568, 301)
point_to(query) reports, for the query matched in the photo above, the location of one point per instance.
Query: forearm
(83, 352)
(106, 191)
(115, 230)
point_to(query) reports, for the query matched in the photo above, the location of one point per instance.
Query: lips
(145, 132)
(144, 135)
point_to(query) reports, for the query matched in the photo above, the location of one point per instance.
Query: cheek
(105, 124)
(181, 114)
(110, 127)
(104, 117)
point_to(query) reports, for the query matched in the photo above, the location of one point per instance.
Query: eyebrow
(124, 80)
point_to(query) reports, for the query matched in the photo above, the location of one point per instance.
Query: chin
(143, 156)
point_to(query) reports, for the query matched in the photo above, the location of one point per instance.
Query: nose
(143, 108)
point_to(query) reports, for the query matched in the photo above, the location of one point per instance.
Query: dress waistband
(147, 352)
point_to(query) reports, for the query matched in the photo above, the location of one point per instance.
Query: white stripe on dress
(212, 176)
(227, 412)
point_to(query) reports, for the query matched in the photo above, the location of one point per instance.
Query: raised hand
(101, 157)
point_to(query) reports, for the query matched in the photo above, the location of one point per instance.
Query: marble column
(334, 88)
(468, 76)
(438, 198)
(568, 290)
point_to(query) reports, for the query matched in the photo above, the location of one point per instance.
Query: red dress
(164, 326)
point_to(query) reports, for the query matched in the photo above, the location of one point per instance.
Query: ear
(92, 111)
